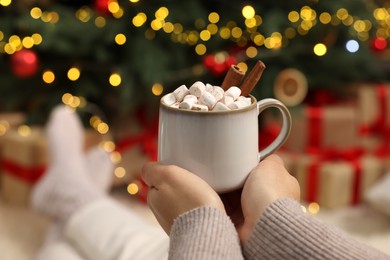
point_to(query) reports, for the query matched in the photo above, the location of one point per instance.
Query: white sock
(100, 168)
(66, 185)
(379, 196)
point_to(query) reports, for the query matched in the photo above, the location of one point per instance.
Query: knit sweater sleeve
(285, 232)
(204, 233)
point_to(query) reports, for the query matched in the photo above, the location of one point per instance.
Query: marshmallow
(169, 99)
(220, 107)
(199, 107)
(188, 102)
(208, 99)
(246, 100)
(217, 92)
(238, 105)
(197, 89)
(234, 92)
(227, 100)
(181, 92)
(175, 105)
(209, 87)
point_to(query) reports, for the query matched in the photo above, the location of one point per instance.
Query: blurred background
(112, 60)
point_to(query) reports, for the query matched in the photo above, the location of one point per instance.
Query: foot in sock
(100, 168)
(66, 186)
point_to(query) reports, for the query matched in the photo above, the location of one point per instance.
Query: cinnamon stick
(233, 77)
(251, 80)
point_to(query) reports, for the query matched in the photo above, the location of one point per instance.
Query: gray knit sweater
(283, 232)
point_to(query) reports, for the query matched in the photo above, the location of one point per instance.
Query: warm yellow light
(200, 49)
(212, 28)
(205, 35)
(224, 33)
(75, 102)
(156, 24)
(213, 17)
(157, 89)
(73, 74)
(132, 188)
(119, 172)
(120, 39)
(115, 79)
(259, 39)
(342, 13)
(325, 18)
(28, 42)
(248, 11)
(100, 21)
(381, 14)
(5, 2)
(293, 16)
(109, 146)
(119, 13)
(94, 121)
(67, 98)
(161, 13)
(83, 14)
(359, 26)
(168, 27)
(24, 130)
(113, 6)
(134, 1)
(177, 28)
(48, 76)
(102, 128)
(15, 41)
(250, 23)
(139, 19)
(313, 208)
(1, 35)
(320, 49)
(36, 12)
(236, 32)
(115, 157)
(37, 38)
(243, 66)
(307, 14)
(251, 52)
(9, 48)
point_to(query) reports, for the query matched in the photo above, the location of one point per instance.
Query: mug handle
(286, 125)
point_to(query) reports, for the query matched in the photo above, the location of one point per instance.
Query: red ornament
(101, 7)
(24, 63)
(379, 44)
(219, 63)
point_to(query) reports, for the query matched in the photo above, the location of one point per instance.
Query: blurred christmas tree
(124, 54)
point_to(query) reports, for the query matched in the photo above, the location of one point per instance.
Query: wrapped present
(24, 158)
(336, 181)
(323, 127)
(373, 102)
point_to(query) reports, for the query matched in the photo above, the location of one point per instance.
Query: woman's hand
(174, 191)
(268, 182)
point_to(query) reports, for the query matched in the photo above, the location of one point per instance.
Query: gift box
(373, 102)
(24, 158)
(323, 127)
(334, 183)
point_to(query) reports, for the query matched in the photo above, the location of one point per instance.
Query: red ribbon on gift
(315, 126)
(352, 155)
(379, 126)
(27, 174)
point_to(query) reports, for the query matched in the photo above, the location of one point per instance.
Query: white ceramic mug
(221, 147)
